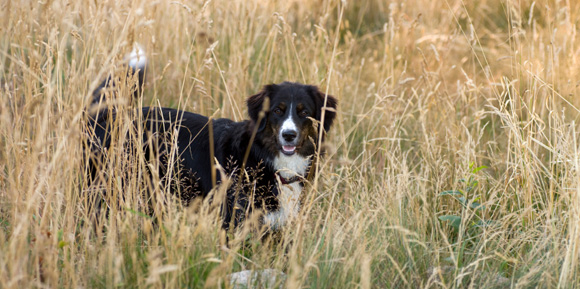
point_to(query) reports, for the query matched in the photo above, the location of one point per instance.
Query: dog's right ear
(256, 103)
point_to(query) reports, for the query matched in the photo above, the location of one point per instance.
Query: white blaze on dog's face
(289, 162)
(289, 133)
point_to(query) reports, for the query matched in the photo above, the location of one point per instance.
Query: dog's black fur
(191, 177)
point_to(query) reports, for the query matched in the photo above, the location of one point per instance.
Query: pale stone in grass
(267, 278)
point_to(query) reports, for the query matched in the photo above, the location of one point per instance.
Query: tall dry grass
(429, 92)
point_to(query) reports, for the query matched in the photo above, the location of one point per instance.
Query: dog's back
(177, 141)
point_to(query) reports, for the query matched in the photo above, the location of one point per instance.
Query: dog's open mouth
(288, 150)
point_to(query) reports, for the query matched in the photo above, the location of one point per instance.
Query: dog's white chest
(289, 201)
(290, 166)
(289, 194)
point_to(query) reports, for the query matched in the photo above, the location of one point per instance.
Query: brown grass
(428, 91)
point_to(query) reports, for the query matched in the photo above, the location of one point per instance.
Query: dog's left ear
(330, 108)
(256, 103)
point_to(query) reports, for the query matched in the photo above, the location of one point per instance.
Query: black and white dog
(275, 147)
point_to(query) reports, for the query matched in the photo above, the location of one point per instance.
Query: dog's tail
(136, 66)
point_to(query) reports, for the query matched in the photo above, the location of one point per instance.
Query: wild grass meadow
(453, 163)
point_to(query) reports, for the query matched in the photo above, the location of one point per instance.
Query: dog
(267, 158)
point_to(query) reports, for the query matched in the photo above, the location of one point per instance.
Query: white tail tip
(137, 58)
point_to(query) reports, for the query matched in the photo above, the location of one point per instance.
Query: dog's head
(293, 118)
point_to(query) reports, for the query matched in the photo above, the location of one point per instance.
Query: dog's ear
(256, 103)
(330, 108)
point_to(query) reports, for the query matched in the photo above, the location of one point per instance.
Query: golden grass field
(453, 162)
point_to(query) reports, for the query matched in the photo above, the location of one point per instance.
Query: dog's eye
(277, 110)
(303, 113)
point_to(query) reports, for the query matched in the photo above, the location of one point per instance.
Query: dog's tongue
(289, 149)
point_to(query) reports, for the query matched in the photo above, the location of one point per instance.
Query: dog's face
(293, 116)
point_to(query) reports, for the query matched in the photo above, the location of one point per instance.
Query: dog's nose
(289, 135)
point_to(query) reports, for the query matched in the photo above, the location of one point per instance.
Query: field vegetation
(453, 162)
